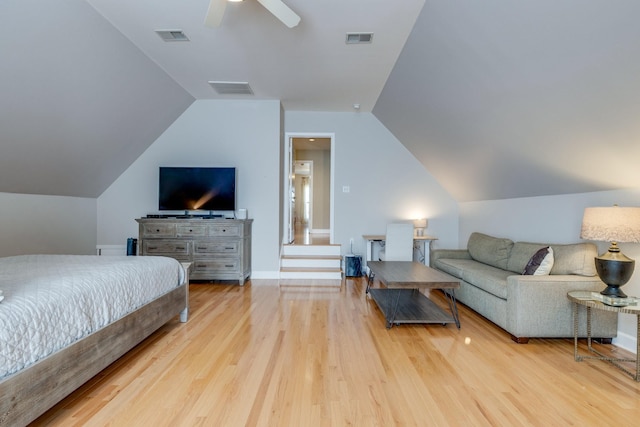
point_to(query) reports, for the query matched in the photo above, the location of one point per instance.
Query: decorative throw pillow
(540, 263)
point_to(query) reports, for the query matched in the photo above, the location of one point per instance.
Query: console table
(419, 242)
(218, 249)
(585, 299)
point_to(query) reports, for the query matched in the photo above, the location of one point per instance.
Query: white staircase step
(311, 261)
(321, 262)
(292, 285)
(310, 273)
(311, 250)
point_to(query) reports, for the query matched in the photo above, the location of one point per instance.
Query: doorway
(303, 195)
(309, 187)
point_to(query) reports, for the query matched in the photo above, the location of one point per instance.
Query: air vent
(231, 88)
(358, 38)
(172, 35)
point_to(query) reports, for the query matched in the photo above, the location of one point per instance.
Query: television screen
(185, 188)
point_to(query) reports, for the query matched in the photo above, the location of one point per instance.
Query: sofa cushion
(540, 263)
(487, 278)
(521, 253)
(490, 250)
(452, 266)
(490, 279)
(577, 258)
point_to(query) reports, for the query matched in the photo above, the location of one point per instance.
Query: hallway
(302, 236)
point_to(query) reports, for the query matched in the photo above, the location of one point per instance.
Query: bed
(65, 318)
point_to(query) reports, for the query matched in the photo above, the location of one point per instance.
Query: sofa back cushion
(521, 254)
(490, 250)
(577, 258)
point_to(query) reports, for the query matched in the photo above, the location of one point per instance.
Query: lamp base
(613, 291)
(614, 269)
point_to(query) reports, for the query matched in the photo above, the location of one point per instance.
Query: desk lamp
(612, 224)
(420, 225)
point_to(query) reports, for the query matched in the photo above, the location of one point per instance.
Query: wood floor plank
(265, 355)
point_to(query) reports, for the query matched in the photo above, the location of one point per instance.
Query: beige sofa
(526, 306)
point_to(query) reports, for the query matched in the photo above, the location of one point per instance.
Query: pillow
(540, 263)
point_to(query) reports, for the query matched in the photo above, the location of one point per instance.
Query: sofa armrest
(449, 254)
(540, 303)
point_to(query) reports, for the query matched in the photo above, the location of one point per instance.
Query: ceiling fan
(276, 7)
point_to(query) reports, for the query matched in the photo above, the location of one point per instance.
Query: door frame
(288, 178)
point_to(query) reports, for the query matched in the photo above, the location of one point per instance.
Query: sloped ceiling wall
(502, 99)
(497, 99)
(79, 101)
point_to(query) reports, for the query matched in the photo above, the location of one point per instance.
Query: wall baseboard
(625, 341)
(110, 250)
(265, 275)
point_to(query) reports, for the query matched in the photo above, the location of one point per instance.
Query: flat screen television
(197, 188)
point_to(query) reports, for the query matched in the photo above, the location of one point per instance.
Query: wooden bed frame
(27, 394)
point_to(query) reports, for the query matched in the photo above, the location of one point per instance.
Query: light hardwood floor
(261, 355)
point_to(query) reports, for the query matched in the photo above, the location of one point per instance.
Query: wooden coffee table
(401, 300)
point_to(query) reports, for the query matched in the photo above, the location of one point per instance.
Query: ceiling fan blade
(215, 13)
(281, 11)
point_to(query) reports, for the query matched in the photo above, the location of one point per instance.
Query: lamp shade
(420, 223)
(611, 224)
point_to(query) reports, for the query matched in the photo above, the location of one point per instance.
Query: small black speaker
(132, 246)
(352, 266)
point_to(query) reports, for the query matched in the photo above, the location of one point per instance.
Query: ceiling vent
(172, 35)
(359, 38)
(231, 88)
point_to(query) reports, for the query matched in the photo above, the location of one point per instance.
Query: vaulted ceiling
(497, 99)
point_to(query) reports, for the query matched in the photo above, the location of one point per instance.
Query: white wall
(553, 219)
(34, 224)
(243, 134)
(386, 182)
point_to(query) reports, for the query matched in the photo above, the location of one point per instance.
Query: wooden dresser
(218, 249)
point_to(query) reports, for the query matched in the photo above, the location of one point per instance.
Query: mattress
(51, 301)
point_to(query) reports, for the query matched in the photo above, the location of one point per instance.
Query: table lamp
(612, 224)
(420, 225)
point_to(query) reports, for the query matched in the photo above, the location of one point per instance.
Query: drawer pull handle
(152, 248)
(229, 247)
(201, 248)
(228, 265)
(157, 230)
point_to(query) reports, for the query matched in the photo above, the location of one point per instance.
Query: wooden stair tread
(310, 246)
(312, 257)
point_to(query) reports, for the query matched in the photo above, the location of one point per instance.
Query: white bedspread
(50, 301)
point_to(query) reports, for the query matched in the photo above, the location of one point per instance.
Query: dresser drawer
(191, 230)
(224, 230)
(158, 230)
(220, 265)
(165, 247)
(216, 247)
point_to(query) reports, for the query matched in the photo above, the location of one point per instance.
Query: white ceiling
(496, 98)
(308, 67)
